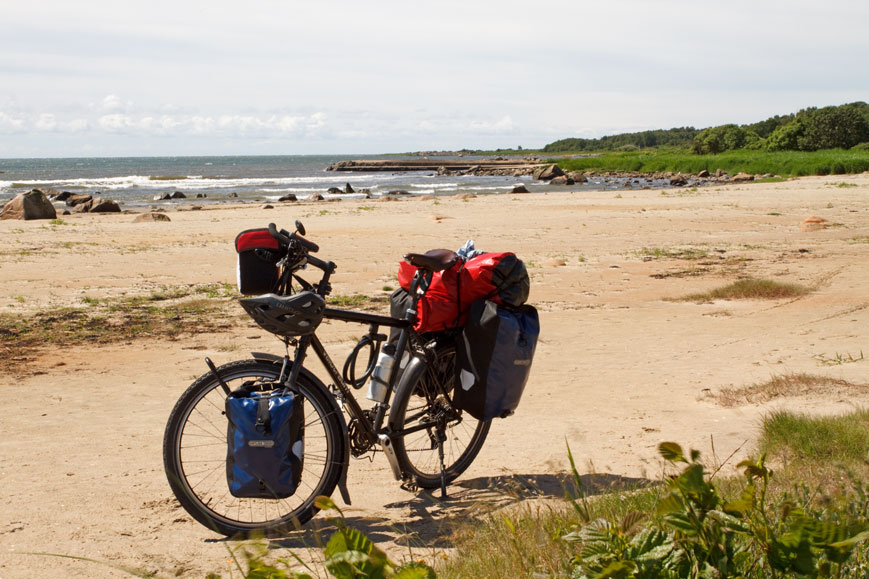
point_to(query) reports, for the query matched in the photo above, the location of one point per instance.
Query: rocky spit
(537, 169)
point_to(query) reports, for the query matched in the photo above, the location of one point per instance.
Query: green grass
(750, 289)
(783, 163)
(813, 439)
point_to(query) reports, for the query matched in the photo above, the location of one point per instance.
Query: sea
(136, 181)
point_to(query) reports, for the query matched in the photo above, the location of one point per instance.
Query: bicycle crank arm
(389, 451)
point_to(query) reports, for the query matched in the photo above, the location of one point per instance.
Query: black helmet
(295, 315)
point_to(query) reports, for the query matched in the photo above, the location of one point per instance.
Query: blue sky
(280, 77)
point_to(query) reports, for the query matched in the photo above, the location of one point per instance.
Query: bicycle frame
(373, 428)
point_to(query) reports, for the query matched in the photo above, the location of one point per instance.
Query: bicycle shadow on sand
(425, 520)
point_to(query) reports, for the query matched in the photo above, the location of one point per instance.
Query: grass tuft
(787, 385)
(750, 289)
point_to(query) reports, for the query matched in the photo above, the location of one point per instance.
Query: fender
(342, 482)
(412, 373)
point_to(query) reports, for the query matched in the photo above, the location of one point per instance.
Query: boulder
(201, 196)
(703, 174)
(561, 180)
(74, 200)
(31, 205)
(233, 195)
(146, 217)
(520, 188)
(83, 207)
(678, 180)
(578, 176)
(178, 195)
(547, 173)
(720, 173)
(334, 191)
(61, 196)
(288, 197)
(743, 177)
(162, 196)
(103, 205)
(315, 197)
(267, 206)
(348, 189)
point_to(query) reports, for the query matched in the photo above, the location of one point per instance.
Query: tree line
(811, 129)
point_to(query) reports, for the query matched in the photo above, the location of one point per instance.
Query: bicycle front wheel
(424, 410)
(195, 453)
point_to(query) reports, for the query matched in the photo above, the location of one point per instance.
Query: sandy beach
(620, 367)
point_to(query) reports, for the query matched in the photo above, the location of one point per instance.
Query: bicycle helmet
(295, 315)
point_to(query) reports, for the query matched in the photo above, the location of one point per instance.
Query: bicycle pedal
(409, 486)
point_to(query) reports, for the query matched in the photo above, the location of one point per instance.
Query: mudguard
(412, 372)
(345, 463)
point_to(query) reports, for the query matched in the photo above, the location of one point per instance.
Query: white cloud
(10, 124)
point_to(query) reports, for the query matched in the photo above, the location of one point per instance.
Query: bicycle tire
(423, 400)
(195, 449)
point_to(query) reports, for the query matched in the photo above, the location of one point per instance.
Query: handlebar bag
(493, 358)
(258, 256)
(265, 443)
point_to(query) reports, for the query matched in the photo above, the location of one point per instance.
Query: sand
(619, 368)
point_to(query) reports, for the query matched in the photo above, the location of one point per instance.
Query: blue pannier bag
(265, 443)
(493, 358)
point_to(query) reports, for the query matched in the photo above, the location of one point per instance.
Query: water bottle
(379, 384)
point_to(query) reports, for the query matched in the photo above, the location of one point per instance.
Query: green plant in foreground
(350, 554)
(700, 534)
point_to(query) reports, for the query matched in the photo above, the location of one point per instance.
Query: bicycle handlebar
(282, 237)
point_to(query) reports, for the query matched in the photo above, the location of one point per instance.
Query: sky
(155, 78)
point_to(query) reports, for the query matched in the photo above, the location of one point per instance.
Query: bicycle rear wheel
(195, 453)
(425, 408)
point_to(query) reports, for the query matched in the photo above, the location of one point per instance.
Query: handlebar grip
(273, 231)
(309, 245)
(288, 239)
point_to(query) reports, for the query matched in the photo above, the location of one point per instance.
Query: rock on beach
(31, 205)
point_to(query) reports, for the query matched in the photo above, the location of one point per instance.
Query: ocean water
(135, 181)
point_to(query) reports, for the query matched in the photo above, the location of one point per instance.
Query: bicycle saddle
(433, 259)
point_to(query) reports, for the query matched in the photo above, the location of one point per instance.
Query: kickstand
(443, 468)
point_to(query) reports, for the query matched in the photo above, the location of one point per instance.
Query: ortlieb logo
(521, 362)
(261, 443)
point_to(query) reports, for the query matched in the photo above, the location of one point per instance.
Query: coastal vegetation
(810, 129)
(782, 163)
(832, 140)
